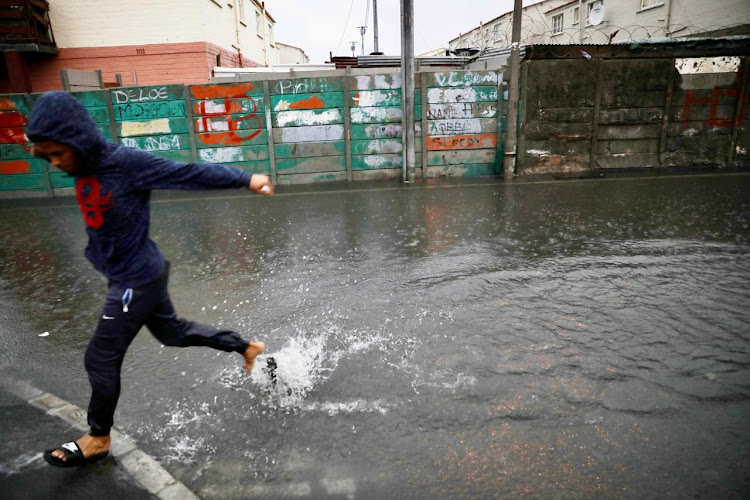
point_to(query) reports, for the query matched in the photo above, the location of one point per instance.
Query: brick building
(145, 42)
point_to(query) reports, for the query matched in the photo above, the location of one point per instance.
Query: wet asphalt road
(583, 338)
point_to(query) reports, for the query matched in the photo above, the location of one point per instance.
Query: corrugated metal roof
(395, 61)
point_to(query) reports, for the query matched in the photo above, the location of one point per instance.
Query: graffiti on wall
(12, 138)
(215, 123)
(714, 101)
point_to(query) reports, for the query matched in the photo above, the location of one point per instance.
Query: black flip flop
(73, 456)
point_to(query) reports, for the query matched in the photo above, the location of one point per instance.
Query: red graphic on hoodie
(93, 206)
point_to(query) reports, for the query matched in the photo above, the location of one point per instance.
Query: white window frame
(558, 23)
(576, 15)
(258, 24)
(241, 10)
(649, 4)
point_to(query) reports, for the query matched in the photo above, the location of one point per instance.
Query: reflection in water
(570, 338)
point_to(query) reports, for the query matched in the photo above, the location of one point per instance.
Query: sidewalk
(33, 421)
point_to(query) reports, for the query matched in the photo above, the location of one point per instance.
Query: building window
(497, 32)
(645, 4)
(557, 24)
(576, 15)
(258, 25)
(270, 33)
(241, 7)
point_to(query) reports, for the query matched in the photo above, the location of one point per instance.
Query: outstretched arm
(153, 172)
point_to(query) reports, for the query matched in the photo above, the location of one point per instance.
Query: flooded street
(585, 338)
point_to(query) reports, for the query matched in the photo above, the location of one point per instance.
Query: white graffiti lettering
(140, 95)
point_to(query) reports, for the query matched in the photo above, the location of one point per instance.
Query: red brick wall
(154, 64)
(228, 59)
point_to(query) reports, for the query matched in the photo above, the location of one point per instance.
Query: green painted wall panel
(254, 122)
(301, 118)
(14, 102)
(312, 85)
(226, 90)
(462, 170)
(380, 131)
(240, 106)
(14, 151)
(322, 100)
(253, 167)
(461, 157)
(231, 138)
(310, 165)
(461, 94)
(309, 149)
(158, 142)
(183, 155)
(94, 98)
(462, 78)
(148, 94)
(148, 110)
(22, 182)
(233, 154)
(159, 126)
(61, 180)
(370, 98)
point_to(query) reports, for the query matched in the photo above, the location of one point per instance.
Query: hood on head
(58, 116)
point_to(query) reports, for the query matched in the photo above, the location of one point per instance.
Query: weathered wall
(587, 114)
(329, 126)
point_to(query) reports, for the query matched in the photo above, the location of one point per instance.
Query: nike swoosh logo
(108, 317)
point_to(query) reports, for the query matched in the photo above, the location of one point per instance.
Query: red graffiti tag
(230, 137)
(11, 128)
(93, 206)
(715, 120)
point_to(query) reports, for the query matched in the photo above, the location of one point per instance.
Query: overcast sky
(320, 26)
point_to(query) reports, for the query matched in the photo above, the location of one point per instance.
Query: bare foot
(252, 350)
(89, 445)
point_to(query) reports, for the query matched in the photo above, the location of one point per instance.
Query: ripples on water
(585, 339)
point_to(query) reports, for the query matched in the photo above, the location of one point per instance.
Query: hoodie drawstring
(126, 298)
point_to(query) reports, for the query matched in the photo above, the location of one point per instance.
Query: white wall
(103, 23)
(625, 20)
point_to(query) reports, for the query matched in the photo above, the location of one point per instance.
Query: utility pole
(511, 141)
(375, 25)
(362, 30)
(407, 87)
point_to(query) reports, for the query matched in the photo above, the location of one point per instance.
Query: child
(113, 186)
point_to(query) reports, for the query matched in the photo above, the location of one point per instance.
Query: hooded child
(113, 186)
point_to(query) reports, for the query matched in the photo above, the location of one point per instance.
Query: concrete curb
(144, 470)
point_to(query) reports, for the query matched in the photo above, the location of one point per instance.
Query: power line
(346, 25)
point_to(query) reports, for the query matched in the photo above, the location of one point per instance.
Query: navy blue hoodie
(113, 188)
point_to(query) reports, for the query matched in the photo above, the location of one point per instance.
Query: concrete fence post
(663, 139)
(347, 125)
(597, 110)
(269, 130)
(191, 123)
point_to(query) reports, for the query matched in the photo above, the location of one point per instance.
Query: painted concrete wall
(330, 126)
(600, 114)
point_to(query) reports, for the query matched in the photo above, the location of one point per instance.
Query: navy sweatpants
(126, 310)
